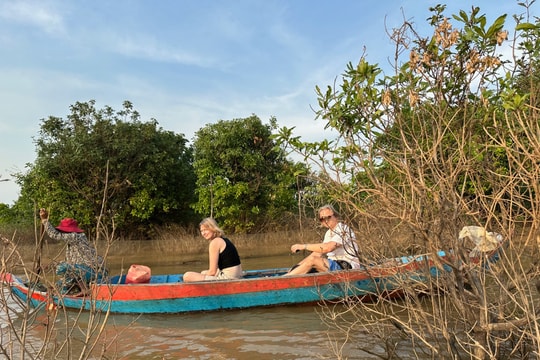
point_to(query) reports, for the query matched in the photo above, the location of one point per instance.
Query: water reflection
(270, 333)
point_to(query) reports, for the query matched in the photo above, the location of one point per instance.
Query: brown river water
(288, 332)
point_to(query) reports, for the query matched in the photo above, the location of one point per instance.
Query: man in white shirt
(338, 251)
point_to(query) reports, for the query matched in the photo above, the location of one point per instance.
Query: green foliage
(243, 179)
(101, 161)
(6, 215)
(449, 94)
(17, 214)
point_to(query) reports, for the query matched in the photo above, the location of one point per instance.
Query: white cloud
(34, 13)
(145, 47)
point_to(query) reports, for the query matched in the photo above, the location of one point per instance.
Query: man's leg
(305, 266)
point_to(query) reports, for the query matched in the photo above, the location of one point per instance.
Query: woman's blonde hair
(213, 226)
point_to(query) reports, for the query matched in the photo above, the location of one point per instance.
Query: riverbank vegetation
(449, 138)
(117, 174)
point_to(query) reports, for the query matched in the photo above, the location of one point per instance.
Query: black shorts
(344, 264)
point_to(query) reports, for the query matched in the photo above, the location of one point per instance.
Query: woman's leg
(193, 276)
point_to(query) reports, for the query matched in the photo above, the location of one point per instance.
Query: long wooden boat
(169, 294)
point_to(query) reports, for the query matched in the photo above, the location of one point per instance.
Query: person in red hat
(82, 264)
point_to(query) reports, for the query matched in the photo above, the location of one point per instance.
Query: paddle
(39, 245)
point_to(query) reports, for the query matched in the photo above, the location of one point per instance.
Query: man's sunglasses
(325, 218)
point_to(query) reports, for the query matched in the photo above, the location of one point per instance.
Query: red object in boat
(138, 274)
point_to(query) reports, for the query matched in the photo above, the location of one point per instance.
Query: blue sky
(187, 63)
